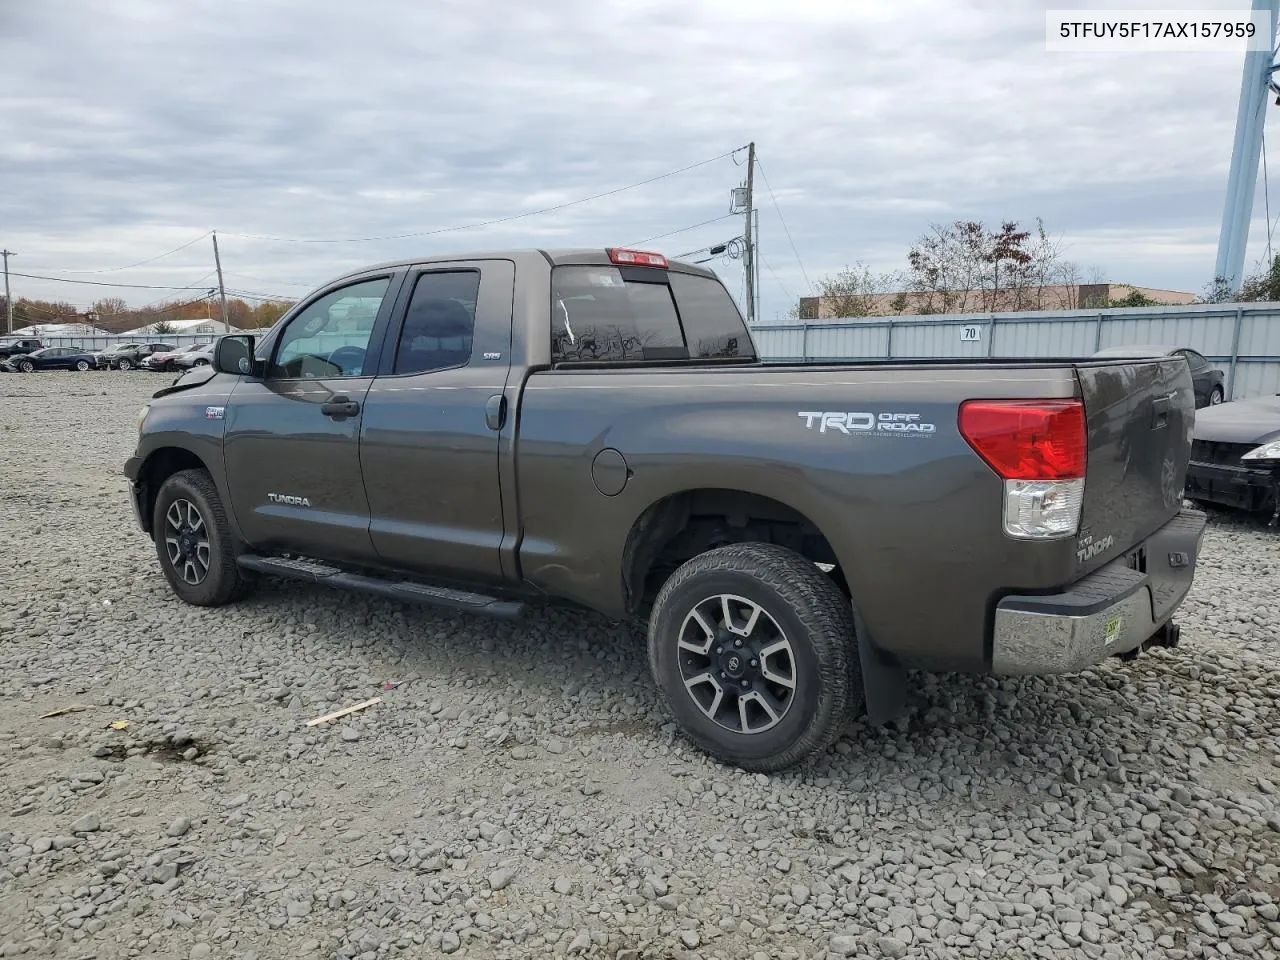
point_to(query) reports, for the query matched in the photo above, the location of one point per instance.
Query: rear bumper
(1113, 610)
(1245, 488)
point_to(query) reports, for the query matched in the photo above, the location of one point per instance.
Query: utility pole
(1250, 117)
(750, 253)
(8, 300)
(755, 261)
(222, 290)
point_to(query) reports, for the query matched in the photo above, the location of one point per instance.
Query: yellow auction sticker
(1114, 626)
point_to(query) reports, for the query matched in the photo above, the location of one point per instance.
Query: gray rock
(892, 947)
(89, 823)
(449, 942)
(501, 878)
(179, 827)
(1206, 925)
(690, 939)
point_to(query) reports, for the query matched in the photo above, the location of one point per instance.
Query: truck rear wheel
(753, 649)
(194, 541)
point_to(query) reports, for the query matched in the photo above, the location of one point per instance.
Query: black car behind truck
(487, 431)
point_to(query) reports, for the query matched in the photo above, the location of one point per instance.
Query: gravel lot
(520, 794)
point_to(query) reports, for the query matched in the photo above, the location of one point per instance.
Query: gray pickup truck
(593, 426)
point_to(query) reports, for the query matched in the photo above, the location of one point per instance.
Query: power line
(497, 220)
(264, 297)
(140, 263)
(636, 243)
(195, 285)
(287, 283)
(768, 266)
(102, 283)
(785, 228)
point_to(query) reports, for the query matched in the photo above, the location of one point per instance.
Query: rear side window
(712, 325)
(440, 324)
(611, 314)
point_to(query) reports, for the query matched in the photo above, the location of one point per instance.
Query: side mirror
(234, 355)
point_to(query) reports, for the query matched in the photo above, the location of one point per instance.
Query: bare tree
(946, 266)
(854, 291)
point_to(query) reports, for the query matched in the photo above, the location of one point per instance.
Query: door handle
(1160, 408)
(495, 412)
(340, 408)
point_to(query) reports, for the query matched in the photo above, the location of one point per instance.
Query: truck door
(434, 419)
(292, 439)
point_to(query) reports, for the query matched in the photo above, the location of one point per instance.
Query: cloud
(157, 121)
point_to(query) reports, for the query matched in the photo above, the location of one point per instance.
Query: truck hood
(1256, 420)
(195, 377)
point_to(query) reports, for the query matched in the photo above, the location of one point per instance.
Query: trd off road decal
(890, 424)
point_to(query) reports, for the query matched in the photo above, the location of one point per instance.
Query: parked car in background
(1206, 379)
(129, 356)
(1235, 456)
(202, 356)
(165, 360)
(51, 358)
(106, 359)
(12, 346)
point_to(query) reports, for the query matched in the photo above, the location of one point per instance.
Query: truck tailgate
(1140, 416)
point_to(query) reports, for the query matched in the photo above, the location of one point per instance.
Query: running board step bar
(313, 572)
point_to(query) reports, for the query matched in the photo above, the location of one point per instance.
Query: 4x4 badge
(215, 413)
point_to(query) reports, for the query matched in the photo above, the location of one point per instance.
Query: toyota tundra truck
(489, 431)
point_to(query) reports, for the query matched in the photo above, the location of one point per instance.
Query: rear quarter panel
(915, 520)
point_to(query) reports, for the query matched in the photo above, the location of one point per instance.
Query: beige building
(1082, 296)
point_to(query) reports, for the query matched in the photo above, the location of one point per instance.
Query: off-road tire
(815, 618)
(224, 582)
(1216, 392)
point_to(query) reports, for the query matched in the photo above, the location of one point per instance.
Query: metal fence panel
(94, 344)
(866, 339)
(1242, 339)
(1036, 339)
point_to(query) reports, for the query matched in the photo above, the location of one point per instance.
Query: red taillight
(1028, 439)
(636, 258)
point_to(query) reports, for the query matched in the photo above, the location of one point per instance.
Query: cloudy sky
(129, 127)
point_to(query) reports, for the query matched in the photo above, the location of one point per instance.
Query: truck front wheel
(194, 541)
(753, 649)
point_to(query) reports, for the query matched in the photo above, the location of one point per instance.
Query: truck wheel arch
(684, 524)
(158, 467)
(654, 544)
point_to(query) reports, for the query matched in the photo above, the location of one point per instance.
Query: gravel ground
(520, 794)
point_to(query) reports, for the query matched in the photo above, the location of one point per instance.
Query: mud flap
(884, 683)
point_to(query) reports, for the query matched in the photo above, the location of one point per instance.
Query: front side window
(440, 324)
(330, 337)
